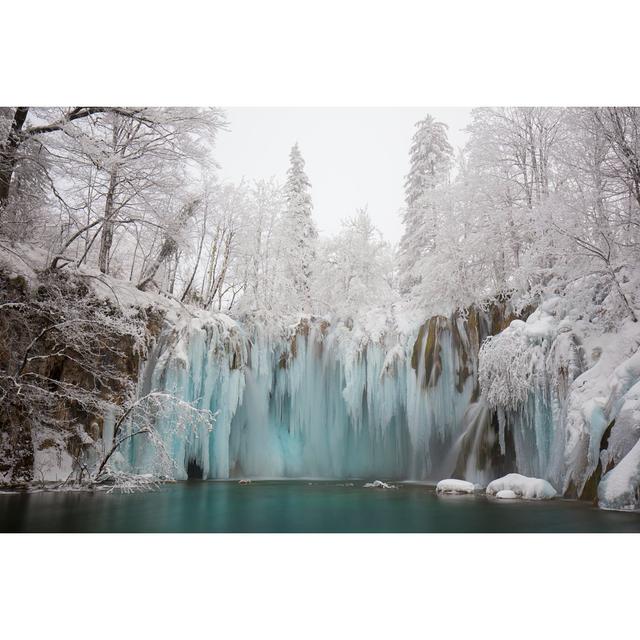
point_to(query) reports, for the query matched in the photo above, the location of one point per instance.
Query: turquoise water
(297, 506)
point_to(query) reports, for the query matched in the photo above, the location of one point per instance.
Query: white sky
(354, 156)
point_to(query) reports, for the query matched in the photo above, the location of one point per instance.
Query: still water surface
(297, 506)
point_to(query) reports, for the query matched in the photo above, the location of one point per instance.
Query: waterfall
(321, 400)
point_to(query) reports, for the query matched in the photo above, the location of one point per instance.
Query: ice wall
(319, 400)
(474, 396)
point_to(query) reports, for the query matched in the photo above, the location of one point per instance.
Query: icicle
(502, 425)
(320, 401)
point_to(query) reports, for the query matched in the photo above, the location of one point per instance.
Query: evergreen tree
(430, 163)
(300, 230)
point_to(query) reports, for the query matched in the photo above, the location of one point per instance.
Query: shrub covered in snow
(512, 361)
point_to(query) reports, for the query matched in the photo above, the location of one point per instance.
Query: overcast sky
(355, 156)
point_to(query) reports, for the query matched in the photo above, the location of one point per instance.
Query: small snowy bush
(505, 370)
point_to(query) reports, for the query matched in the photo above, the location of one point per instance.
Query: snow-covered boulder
(620, 487)
(378, 484)
(522, 487)
(506, 494)
(451, 485)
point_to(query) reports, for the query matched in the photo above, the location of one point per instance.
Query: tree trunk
(169, 246)
(8, 153)
(197, 264)
(106, 240)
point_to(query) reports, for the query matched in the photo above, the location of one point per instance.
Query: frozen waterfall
(322, 401)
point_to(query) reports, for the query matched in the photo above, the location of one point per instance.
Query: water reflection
(200, 506)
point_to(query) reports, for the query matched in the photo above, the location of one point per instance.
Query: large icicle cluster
(318, 399)
(548, 398)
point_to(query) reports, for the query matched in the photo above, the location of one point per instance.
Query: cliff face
(66, 357)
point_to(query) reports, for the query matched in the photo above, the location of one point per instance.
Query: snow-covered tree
(357, 268)
(430, 158)
(300, 229)
(262, 245)
(128, 170)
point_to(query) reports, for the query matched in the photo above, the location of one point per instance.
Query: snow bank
(522, 487)
(451, 485)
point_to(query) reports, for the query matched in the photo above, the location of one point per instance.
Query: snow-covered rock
(451, 485)
(378, 484)
(522, 487)
(506, 494)
(620, 488)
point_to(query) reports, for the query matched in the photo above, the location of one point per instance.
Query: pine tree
(300, 229)
(430, 163)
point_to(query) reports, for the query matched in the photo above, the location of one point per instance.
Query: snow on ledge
(522, 487)
(451, 485)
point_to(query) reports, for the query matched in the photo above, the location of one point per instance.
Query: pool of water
(299, 506)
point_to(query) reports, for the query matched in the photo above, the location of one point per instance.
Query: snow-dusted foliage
(507, 370)
(542, 203)
(522, 358)
(140, 421)
(358, 272)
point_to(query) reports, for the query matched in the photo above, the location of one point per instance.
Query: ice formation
(474, 397)
(317, 400)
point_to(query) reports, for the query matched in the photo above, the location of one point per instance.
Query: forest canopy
(541, 200)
